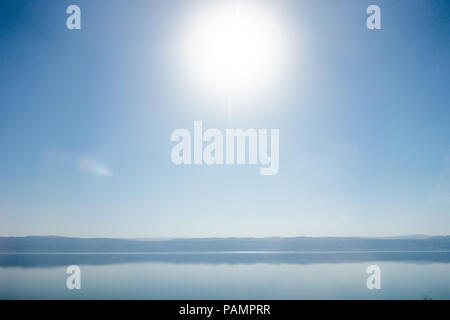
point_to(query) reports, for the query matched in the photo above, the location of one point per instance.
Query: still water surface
(256, 275)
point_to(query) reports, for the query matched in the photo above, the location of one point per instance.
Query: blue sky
(86, 118)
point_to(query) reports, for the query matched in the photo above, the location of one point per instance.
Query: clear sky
(86, 118)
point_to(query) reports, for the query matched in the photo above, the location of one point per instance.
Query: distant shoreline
(54, 244)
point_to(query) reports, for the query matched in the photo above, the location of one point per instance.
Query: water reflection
(33, 260)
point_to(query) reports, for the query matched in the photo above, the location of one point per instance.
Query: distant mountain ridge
(67, 244)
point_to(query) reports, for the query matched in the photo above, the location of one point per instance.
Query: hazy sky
(86, 118)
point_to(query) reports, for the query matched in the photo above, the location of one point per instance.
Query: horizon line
(225, 237)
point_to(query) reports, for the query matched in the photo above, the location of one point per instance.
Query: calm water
(406, 275)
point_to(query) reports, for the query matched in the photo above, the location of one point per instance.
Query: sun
(233, 49)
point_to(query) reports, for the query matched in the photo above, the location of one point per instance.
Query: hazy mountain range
(67, 244)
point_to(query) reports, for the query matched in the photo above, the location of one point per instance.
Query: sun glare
(233, 49)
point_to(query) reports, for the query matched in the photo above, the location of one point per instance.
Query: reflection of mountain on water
(64, 259)
(78, 245)
(63, 251)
